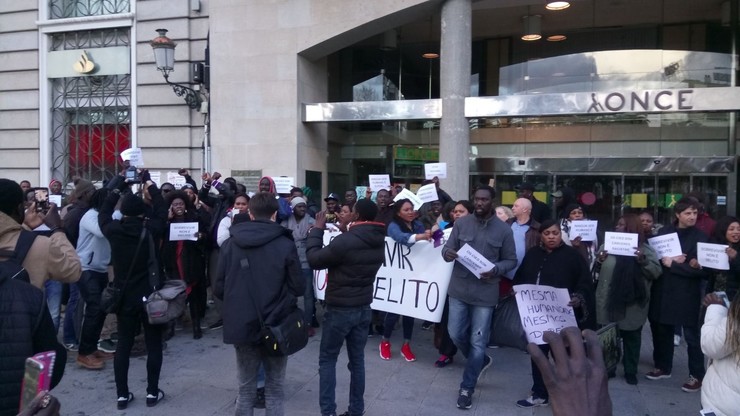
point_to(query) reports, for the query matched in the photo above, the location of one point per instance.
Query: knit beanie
(132, 206)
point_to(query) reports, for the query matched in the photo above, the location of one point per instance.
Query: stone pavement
(199, 378)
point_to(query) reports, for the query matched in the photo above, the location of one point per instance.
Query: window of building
(63, 9)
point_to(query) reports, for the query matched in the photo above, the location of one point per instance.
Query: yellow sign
(639, 201)
(85, 65)
(508, 197)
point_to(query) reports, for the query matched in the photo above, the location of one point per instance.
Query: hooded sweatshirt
(259, 274)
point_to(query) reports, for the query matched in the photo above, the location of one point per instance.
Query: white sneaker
(676, 340)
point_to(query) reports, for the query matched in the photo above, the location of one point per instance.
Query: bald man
(526, 230)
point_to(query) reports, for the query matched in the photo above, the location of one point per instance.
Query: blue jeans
(71, 329)
(248, 360)
(340, 324)
(469, 327)
(53, 291)
(309, 300)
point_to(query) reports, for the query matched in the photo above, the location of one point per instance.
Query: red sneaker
(385, 350)
(406, 352)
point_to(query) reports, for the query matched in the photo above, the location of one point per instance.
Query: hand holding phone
(41, 197)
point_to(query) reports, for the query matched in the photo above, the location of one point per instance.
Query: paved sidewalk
(199, 378)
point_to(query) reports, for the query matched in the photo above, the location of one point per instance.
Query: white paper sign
(406, 194)
(585, 229)
(473, 260)
(435, 169)
(411, 282)
(156, 178)
(134, 156)
(320, 276)
(283, 184)
(621, 244)
(378, 182)
(428, 193)
(666, 245)
(176, 179)
(184, 231)
(543, 308)
(713, 256)
(56, 199)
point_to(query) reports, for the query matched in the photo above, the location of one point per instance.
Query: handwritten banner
(666, 245)
(406, 194)
(134, 156)
(621, 244)
(412, 281)
(428, 193)
(283, 184)
(543, 308)
(184, 231)
(473, 260)
(713, 256)
(176, 179)
(585, 229)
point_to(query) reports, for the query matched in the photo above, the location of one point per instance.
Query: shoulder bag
(168, 302)
(112, 296)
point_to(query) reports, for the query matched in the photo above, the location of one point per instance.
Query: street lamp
(164, 57)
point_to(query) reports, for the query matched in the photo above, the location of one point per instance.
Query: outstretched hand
(577, 380)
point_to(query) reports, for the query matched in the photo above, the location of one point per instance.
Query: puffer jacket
(25, 329)
(258, 269)
(720, 388)
(352, 259)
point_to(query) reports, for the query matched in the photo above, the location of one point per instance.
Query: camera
(132, 175)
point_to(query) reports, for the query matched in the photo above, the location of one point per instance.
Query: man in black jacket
(258, 278)
(353, 260)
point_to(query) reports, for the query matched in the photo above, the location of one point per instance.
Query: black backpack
(12, 268)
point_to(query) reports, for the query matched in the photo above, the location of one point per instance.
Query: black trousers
(663, 348)
(128, 327)
(91, 286)
(446, 346)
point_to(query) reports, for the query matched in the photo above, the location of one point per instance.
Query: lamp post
(164, 57)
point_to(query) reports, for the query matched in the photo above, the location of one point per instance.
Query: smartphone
(37, 377)
(723, 296)
(41, 196)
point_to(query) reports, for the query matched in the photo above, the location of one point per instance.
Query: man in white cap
(300, 223)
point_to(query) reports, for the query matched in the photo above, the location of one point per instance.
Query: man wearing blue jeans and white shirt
(353, 259)
(472, 300)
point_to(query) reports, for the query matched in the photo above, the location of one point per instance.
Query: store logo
(85, 65)
(664, 100)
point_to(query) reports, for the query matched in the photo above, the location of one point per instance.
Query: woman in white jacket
(720, 342)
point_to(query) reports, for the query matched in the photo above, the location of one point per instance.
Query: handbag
(507, 330)
(286, 337)
(112, 296)
(167, 302)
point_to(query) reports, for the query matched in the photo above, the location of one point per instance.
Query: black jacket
(123, 237)
(540, 210)
(562, 268)
(675, 298)
(75, 211)
(193, 252)
(353, 259)
(25, 329)
(258, 268)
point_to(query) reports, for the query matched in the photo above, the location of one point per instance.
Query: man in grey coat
(472, 299)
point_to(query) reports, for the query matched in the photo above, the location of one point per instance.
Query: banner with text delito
(412, 281)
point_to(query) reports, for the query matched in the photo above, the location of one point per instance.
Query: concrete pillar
(455, 62)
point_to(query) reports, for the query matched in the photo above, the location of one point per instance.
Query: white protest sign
(134, 156)
(156, 178)
(428, 193)
(621, 244)
(585, 229)
(184, 231)
(56, 199)
(378, 182)
(666, 245)
(412, 281)
(713, 256)
(473, 260)
(543, 308)
(406, 194)
(283, 184)
(435, 169)
(176, 179)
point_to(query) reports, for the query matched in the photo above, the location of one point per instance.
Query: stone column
(455, 64)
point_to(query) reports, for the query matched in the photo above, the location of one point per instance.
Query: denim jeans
(71, 326)
(340, 324)
(53, 291)
(248, 360)
(309, 300)
(469, 327)
(91, 287)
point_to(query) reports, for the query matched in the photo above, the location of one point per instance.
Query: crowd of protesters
(252, 255)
